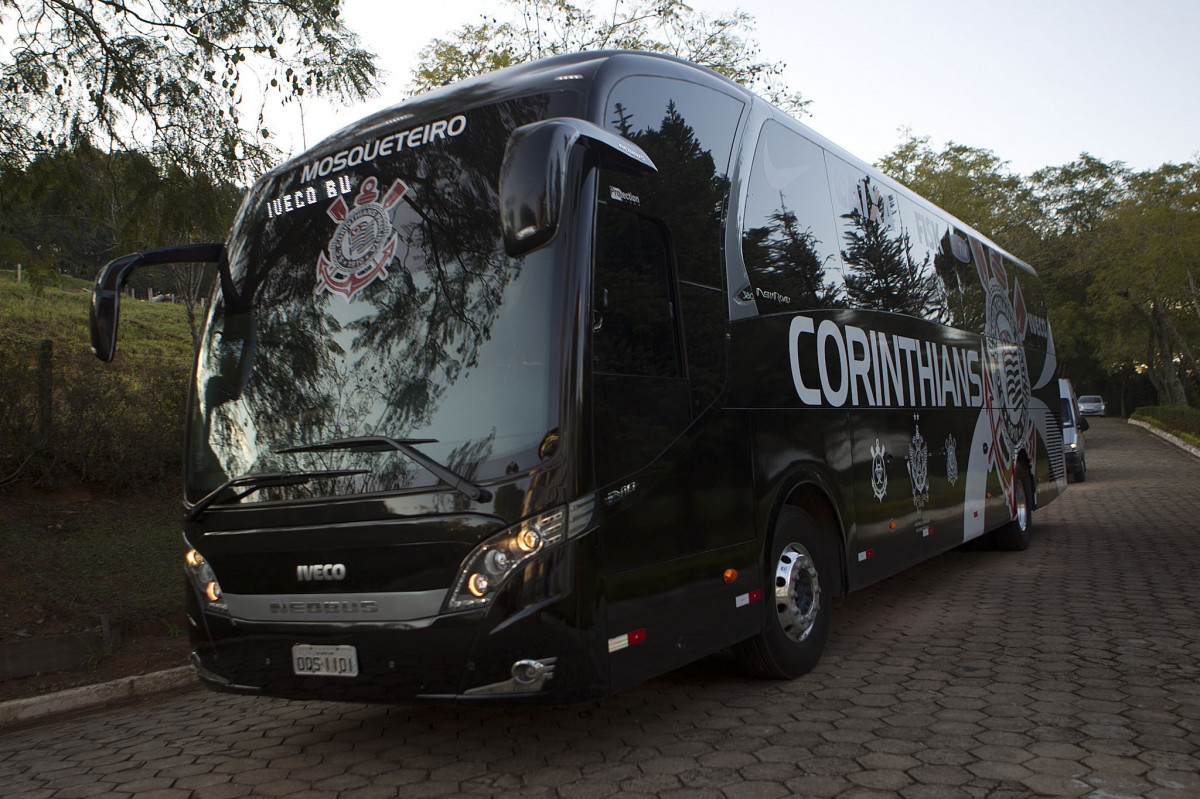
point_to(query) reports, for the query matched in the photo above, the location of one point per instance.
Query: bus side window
(688, 130)
(885, 268)
(640, 399)
(789, 242)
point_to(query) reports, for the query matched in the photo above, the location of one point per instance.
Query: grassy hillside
(90, 508)
(119, 423)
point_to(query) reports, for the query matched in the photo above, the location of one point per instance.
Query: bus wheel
(1017, 534)
(798, 598)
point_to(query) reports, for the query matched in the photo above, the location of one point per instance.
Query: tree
(1022, 215)
(1078, 195)
(1143, 256)
(167, 77)
(975, 185)
(539, 28)
(71, 211)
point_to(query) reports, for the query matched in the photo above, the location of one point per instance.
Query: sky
(1037, 82)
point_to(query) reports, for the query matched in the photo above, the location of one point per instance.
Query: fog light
(213, 591)
(527, 672)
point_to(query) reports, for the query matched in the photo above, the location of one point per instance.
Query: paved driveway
(1070, 669)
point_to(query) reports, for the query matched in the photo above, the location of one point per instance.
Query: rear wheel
(798, 598)
(1017, 534)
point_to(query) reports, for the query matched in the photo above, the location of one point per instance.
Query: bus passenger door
(674, 506)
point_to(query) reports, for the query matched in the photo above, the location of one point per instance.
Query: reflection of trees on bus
(658, 273)
(687, 194)
(881, 273)
(382, 362)
(965, 299)
(784, 265)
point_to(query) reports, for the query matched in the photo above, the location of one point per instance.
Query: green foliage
(1180, 420)
(166, 78)
(1139, 259)
(973, 184)
(536, 29)
(71, 211)
(119, 424)
(1118, 253)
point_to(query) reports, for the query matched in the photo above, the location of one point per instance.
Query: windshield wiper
(456, 481)
(253, 482)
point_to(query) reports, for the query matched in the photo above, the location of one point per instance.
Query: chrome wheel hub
(797, 592)
(1022, 504)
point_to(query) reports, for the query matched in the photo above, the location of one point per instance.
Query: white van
(1073, 425)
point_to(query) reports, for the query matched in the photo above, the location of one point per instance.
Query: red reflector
(627, 640)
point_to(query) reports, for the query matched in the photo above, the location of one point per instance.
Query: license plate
(324, 661)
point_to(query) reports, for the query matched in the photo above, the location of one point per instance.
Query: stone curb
(1165, 436)
(23, 711)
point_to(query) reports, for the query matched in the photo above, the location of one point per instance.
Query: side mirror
(1083, 423)
(533, 175)
(106, 293)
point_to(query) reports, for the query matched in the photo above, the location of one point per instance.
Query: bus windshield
(369, 294)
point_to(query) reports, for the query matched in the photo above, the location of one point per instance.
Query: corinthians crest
(1007, 391)
(918, 467)
(878, 471)
(950, 451)
(363, 243)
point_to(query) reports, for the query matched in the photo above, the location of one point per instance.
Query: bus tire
(798, 596)
(1016, 535)
(1081, 472)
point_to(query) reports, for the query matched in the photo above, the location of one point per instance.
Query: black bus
(551, 381)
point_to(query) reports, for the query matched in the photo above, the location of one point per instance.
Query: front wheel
(798, 596)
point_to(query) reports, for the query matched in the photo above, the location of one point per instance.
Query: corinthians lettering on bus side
(384, 146)
(869, 368)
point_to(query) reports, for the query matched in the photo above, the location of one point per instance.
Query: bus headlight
(205, 582)
(491, 563)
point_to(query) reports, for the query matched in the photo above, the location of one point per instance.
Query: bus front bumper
(530, 645)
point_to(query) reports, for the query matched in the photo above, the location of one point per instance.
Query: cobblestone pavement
(1067, 670)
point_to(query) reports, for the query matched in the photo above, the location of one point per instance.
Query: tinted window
(640, 399)
(633, 308)
(789, 242)
(884, 270)
(687, 130)
(377, 300)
